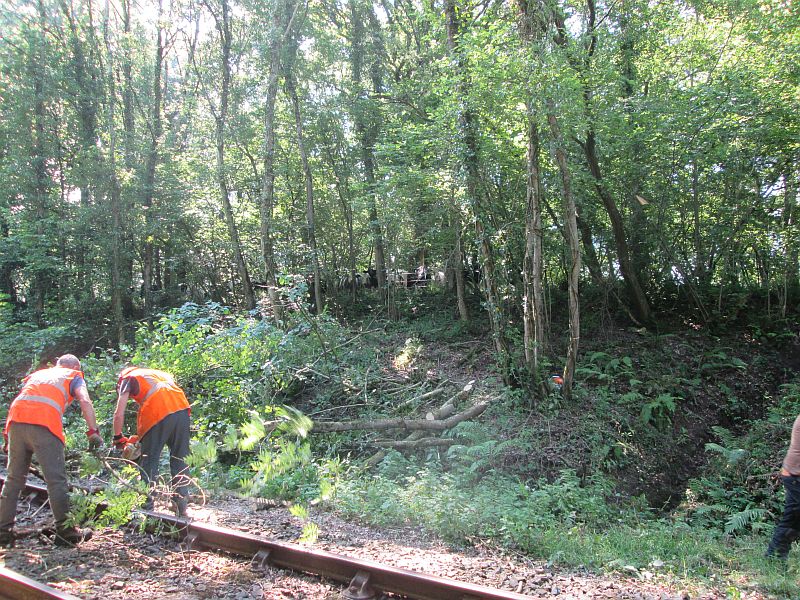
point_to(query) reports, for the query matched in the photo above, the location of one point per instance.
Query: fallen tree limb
(429, 424)
(420, 443)
(424, 397)
(444, 411)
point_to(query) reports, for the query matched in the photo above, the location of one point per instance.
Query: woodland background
(333, 208)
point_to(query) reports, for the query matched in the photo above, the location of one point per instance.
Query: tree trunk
(589, 252)
(366, 124)
(223, 24)
(343, 194)
(458, 268)
(41, 281)
(115, 194)
(791, 281)
(291, 89)
(640, 305)
(7, 267)
(128, 123)
(535, 339)
(477, 196)
(571, 235)
(148, 190)
(84, 98)
(638, 299)
(282, 19)
(639, 227)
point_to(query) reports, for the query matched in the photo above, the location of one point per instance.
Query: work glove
(95, 441)
(120, 441)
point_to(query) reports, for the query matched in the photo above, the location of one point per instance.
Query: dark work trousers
(25, 441)
(171, 431)
(788, 528)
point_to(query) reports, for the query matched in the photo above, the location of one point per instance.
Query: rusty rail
(363, 576)
(14, 586)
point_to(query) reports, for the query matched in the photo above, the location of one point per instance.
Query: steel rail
(14, 586)
(363, 575)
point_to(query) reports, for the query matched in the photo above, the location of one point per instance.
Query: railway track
(16, 586)
(365, 579)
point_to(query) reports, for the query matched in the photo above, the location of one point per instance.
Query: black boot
(179, 505)
(781, 543)
(72, 536)
(6, 538)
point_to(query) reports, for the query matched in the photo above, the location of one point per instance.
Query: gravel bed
(126, 563)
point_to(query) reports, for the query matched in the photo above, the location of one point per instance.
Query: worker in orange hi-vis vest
(34, 427)
(163, 420)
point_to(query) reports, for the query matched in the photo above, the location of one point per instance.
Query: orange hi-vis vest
(158, 397)
(44, 397)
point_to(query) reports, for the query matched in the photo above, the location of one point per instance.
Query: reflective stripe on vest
(155, 386)
(43, 400)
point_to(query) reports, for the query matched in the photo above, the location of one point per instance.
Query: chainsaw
(132, 449)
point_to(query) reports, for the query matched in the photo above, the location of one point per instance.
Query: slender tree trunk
(84, 98)
(347, 211)
(223, 24)
(366, 119)
(532, 21)
(533, 310)
(41, 280)
(574, 266)
(128, 148)
(639, 227)
(589, 252)
(791, 281)
(458, 267)
(640, 305)
(291, 88)
(7, 266)
(128, 122)
(699, 256)
(638, 299)
(148, 191)
(368, 143)
(115, 193)
(282, 19)
(477, 196)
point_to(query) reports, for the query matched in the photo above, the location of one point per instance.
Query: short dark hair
(70, 361)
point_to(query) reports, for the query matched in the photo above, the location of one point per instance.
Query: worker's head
(70, 361)
(125, 372)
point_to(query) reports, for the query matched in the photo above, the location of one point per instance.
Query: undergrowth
(536, 477)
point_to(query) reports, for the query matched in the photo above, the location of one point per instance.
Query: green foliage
(497, 508)
(736, 493)
(118, 506)
(24, 346)
(659, 410)
(283, 466)
(230, 365)
(718, 359)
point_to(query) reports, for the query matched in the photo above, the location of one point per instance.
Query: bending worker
(163, 420)
(34, 427)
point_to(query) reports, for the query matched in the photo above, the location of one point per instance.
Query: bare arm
(119, 412)
(87, 408)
